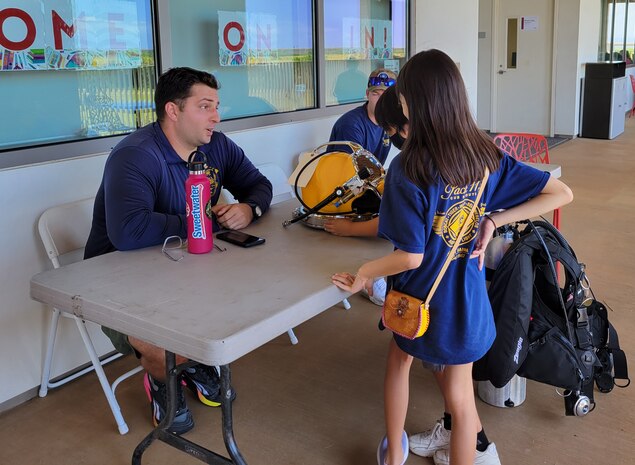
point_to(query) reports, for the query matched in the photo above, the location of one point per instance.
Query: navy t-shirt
(427, 220)
(356, 126)
(141, 199)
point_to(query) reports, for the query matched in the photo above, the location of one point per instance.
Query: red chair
(632, 85)
(532, 148)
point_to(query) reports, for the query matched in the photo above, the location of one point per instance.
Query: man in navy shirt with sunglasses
(359, 125)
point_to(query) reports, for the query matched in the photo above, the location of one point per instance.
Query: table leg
(161, 432)
(226, 409)
(172, 376)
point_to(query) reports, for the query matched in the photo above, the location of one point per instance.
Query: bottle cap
(197, 166)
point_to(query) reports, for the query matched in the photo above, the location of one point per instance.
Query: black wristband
(490, 218)
(256, 211)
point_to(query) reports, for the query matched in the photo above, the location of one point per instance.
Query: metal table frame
(161, 432)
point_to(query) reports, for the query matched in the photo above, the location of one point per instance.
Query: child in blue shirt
(437, 175)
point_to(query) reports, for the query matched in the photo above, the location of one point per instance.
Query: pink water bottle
(197, 196)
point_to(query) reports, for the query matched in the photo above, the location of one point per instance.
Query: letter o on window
(30, 29)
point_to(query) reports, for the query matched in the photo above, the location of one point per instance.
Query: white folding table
(211, 308)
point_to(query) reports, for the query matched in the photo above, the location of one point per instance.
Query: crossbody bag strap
(448, 259)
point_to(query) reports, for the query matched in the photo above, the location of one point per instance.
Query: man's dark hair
(175, 84)
(388, 111)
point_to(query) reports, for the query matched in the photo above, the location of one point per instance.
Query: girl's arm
(346, 227)
(553, 195)
(396, 262)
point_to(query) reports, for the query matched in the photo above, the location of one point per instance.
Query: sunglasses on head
(382, 79)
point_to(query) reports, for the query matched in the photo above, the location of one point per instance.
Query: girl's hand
(352, 283)
(485, 233)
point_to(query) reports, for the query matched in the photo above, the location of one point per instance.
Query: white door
(523, 49)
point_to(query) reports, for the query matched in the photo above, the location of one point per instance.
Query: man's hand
(234, 215)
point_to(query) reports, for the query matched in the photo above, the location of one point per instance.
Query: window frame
(16, 158)
(604, 30)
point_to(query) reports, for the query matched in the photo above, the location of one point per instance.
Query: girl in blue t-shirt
(436, 176)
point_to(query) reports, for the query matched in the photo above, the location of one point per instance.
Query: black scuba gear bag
(555, 335)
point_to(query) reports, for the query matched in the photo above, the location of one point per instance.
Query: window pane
(630, 34)
(512, 42)
(74, 69)
(618, 31)
(261, 51)
(360, 36)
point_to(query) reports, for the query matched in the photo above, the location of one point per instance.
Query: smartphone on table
(240, 238)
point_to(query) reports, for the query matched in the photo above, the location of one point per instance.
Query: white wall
(578, 30)
(26, 192)
(453, 28)
(590, 11)
(589, 32)
(566, 32)
(484, 107)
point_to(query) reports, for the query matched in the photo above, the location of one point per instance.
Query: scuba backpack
(558, 336)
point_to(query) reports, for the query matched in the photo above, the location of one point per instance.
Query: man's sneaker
(158, 396)
(489, 457)
(204, 382)
(379, 292)
(427, 443)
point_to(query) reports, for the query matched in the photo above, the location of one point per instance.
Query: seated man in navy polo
(359, 125)
(141, 202)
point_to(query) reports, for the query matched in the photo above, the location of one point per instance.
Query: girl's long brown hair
(443, 138)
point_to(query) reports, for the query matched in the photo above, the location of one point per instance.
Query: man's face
(373, 96)
(199, 115)
(404, 107)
